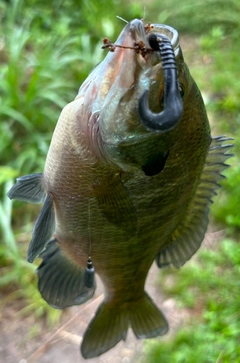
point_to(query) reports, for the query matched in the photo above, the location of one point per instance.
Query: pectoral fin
(29, 188)
(115, 204)
(189, 235)
(61, 282)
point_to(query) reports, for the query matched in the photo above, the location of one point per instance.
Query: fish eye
(181, 89)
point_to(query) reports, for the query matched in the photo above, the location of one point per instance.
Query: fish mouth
(136, 36)
(130, 68)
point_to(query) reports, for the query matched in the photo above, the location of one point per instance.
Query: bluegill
(129, 178)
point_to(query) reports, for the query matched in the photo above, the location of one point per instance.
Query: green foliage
(224, 85)
(226, 209)
(17, 276)
(218, 25)
(200, 16)
(217, 72)
(46, 51)
(224, 66)
(33, 91)
(213, 335)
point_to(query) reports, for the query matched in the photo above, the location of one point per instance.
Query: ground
(23, 340)
(61, 344)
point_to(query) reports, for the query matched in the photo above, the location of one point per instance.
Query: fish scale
(124, 184)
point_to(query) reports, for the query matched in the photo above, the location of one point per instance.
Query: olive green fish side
(61, 286)
(111, 321)
(61, 279)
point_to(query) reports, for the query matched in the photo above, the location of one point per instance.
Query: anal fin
(28, 188)
(189, 235)
(61, 282)
(43, 230)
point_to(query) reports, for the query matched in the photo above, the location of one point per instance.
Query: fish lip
(140, 32)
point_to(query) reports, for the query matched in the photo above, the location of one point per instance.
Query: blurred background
(47, 49)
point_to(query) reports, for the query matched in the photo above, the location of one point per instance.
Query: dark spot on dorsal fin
(155, 164)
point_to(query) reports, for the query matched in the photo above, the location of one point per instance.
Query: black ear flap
(155, 165)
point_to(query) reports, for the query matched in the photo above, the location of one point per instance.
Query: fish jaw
(115, 87)
(116, 83)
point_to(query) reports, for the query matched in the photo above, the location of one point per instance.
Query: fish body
(119, 194)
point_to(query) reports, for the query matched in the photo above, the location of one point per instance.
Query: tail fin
(147, 321)
(111, 323)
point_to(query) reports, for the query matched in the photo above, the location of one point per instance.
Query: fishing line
(90, 270)
(119, 17)
(89, 234)
(144, 11)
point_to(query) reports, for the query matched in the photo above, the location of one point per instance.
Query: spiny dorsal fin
(28, 188)
(43, 230)
(61, 282)
(188, 236)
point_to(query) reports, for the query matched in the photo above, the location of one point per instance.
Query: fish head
(113, 90)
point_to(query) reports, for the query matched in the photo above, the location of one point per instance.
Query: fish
(129, 179)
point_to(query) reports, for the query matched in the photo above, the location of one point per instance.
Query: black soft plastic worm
(173, 105)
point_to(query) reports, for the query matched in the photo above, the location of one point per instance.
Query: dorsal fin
(188, 236)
